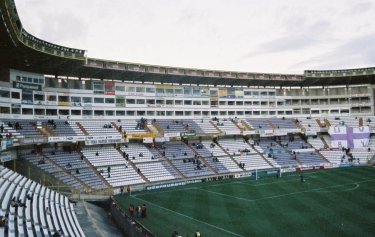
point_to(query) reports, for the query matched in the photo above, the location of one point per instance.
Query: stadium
(225, 153)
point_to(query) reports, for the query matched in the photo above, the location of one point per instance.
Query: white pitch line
(344, 190)
(282, 195)
(178, 213)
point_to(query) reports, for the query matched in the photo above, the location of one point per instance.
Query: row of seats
(45, 213)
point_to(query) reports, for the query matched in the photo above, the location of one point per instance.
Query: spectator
(97, 153)
(13, 203)
(72, 201)
(21, 204)
(29, 197)
(48, 211)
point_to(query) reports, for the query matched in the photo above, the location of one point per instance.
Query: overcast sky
(272, 36)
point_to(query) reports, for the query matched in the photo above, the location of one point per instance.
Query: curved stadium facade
(157, 124)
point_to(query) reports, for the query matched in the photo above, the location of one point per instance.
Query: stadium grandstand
(75, 127)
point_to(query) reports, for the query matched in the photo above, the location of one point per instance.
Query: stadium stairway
(297, 124)
(238, 126)
(48, 130)
(229, 155)
(96, 171)
(215, 126)
(66, 172)
(169, 162)
(136, 170)
(245, 124)
(317, 152)
(271, 124)
(83, 130)
(202, 160)
(38, 129)
(319, 123)
(261, 155)
(158, 128)
(115, 126)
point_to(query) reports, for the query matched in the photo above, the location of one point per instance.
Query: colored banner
(349, 137)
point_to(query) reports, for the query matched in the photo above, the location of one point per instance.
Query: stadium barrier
(127, 225)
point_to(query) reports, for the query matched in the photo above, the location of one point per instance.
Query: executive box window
(120, 113)
(87, 112)
(179, 91)
(63, 98)
(16, 110)
(38, 97)
(130, 101)
(39, 112)
(4, 94)
(120, 88)
(99, 100)
(130, 89)
(98, 113)
(160, 90)
(109, 100)
(150, 90)
(76, 112)
(87, 100)
(141, 113)
(141, 101)
(15, 95)
(150, 113)
(27, 96)
(150, 101)
(51, 112)
(140, 89)
(169, 91)
(4, 110)
(75, 99)
(27, 111)
(178, 102)
(205, 102)
(110, 113)
(63, 112)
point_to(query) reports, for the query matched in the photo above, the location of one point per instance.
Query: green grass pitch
(331, 202)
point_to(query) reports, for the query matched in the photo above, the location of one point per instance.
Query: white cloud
(238, 35)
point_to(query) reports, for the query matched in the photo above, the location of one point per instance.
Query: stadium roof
(22, 51)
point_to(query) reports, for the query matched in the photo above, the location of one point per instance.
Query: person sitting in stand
(21, 204)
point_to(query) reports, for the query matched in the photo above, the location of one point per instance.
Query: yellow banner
(140, 135)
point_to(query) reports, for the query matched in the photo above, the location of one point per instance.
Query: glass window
(213, 92)
(130, 101)
(110, 113)
(16, 110)
(4, 94)
(76, 112)
(130, 89)
(75, 99)
(63, 98)
(169, 91)
(87, 99)
(16, 95)
(39, 111)
(150, 90)
(160, 90)
(27, 111)
(109, 100)
(140, 89)
(87, 112)
(120, 113)
(187, 91)
(98, 113)
(141, 101)
(99, 100)
(63, 112)
(4, 110)
(120, 88)
(178, 91)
